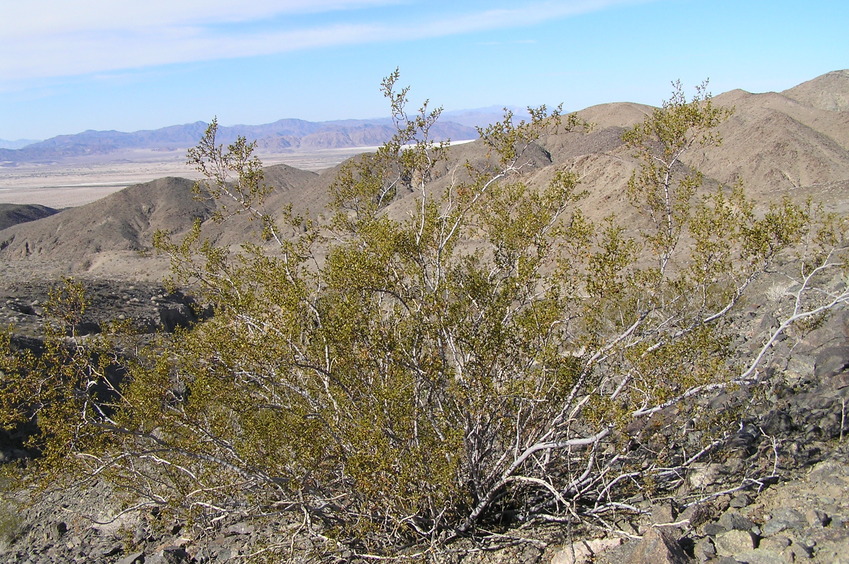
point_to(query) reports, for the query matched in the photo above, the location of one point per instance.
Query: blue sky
(71, 65)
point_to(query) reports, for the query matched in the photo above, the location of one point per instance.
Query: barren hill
(828, 92)
(772, 148)
(615, 114)
(792, 143)
(124, 221)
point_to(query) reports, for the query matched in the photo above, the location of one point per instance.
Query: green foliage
(485, 358)
(219, 166)
(367, 184)
(663, 187)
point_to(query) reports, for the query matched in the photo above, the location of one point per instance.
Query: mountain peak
(829, 91)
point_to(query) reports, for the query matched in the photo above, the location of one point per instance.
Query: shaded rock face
(147, 307)
(178, 312)
(13, 214)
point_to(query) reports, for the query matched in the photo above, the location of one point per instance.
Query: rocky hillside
(827, 92)
(124, 221)
(793, 143)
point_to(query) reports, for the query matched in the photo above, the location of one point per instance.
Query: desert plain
(80, 181)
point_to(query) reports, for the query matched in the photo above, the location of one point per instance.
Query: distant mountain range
(282, 136)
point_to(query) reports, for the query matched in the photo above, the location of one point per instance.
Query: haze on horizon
(125, 65)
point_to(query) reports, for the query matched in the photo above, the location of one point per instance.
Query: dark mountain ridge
(13, 214)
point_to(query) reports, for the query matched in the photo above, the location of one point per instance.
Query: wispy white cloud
(43, 17)
(59, 38)
(517, 15)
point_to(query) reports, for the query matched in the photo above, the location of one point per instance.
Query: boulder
(659, 546)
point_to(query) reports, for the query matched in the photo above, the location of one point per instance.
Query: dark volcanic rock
(147, 307)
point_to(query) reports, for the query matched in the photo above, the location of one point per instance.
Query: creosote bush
(493, 357)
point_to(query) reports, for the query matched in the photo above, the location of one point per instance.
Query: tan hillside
(616, 114)
(827, 92)
(791, 143)
(832, 123)
(124, 221)
(772, 150)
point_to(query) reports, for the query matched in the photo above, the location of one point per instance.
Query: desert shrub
(493, 356)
